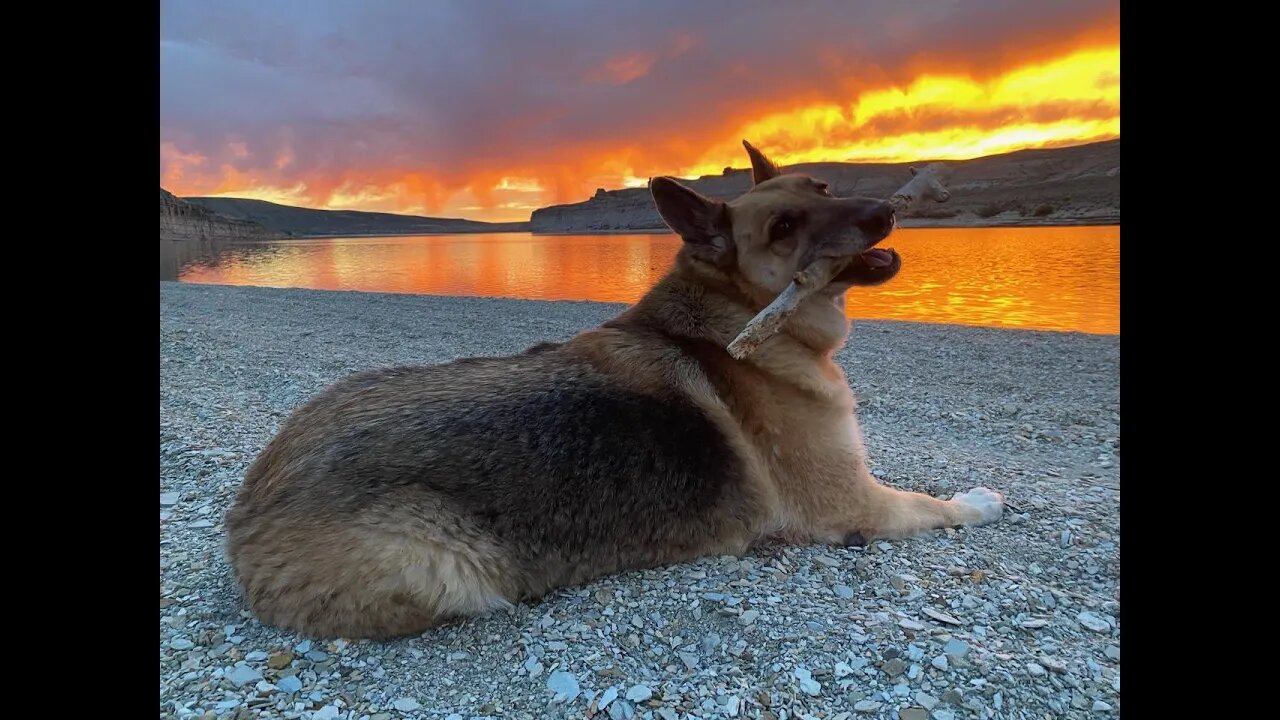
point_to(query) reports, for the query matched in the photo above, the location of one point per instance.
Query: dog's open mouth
(871, 267)
(876, 258)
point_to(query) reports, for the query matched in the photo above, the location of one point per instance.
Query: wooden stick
(926, 183)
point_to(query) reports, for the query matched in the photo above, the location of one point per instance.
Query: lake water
(1047, 278)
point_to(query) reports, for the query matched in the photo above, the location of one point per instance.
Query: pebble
(943, 715)
(564, 685)
(1053, 664)
(243, 675)
(941, 616)
(1035, 670)
(940, 662)
(1112, 652)
(866, 706)
(710, 643)
(607, 697)
(181, 644)
(913, 714)
(256, 656)
(168, 499)
(807, 684)
(1094, 622)
(955, 649)
(844, 591)
(289, 685)
(1100, 706)
(927, 701)
(406, 704)
(639, 693)
(328, 712)
(749, 617)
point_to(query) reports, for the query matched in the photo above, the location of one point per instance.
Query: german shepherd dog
(401, 498)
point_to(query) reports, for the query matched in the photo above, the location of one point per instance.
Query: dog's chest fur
(795, 409)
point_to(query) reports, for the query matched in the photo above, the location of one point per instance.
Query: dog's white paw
(988, 503)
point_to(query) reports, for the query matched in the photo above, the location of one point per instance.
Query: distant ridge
(306, 222)
(1061, 186)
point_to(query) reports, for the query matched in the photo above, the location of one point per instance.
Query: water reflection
(1054, 278)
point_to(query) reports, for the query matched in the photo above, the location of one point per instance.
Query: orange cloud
(173, 163)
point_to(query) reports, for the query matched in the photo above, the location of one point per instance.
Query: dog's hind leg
(383, 572)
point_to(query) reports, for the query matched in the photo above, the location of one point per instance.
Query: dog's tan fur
(400, 498)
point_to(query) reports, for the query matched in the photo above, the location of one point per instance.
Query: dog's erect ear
(701, 221)
(762, 168)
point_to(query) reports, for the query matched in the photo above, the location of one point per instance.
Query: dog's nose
(878, 220)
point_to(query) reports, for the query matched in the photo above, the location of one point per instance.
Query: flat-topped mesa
(926, 183)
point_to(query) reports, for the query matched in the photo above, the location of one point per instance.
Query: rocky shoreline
(1019, 619)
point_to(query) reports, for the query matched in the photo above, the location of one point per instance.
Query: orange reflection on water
(1048, 278)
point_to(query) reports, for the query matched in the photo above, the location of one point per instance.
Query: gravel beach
(1019, 619)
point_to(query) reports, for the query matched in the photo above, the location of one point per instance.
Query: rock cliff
(181, 220)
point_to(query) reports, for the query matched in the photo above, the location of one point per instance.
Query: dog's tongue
(877, 258)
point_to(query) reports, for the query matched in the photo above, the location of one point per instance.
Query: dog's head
(786, 221)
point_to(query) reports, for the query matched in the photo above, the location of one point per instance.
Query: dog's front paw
(986, 503)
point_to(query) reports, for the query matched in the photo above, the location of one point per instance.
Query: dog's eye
(824, 188)
(782, 227)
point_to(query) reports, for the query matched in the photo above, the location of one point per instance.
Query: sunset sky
(487, 109)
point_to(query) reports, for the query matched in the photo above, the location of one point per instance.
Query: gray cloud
(362, 91)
